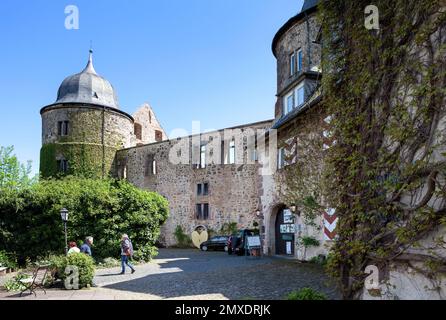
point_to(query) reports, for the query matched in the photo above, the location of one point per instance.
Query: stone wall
(83, 147)
(149, 125)
(233, 188)
(299, 36)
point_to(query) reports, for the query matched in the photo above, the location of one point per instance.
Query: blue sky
(205, 60)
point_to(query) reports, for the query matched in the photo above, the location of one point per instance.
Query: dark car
(215, 243)
(236, 242)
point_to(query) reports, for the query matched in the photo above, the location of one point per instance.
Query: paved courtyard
(191, 274)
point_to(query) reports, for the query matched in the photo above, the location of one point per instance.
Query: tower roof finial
(89, 68)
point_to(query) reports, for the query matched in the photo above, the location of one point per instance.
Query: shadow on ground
(183, 273)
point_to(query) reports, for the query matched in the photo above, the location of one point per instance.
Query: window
(62, 128)
(154, 167)
(62, 165)
(294, 98)
(202, 157)
(203, 189)
(281, 158)
(138, 131)
(290, 102)
(292, 64)
(299, 60)
(300, 96)
(231, 159)
(158, 136)
(202, 211)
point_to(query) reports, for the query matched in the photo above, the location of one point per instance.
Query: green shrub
(183, 240)
(309, 242)
(15, 284)
(30, 222)
(109, 263)
(320, 259)
(83, 262)
(229, 228)
(306, 294)
(8, 260)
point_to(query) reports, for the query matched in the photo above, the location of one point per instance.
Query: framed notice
(288, 247)
(288, 216)
(253, 241)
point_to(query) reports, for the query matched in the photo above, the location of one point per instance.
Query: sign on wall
(288, 216)
(287, 228)
(330, 220)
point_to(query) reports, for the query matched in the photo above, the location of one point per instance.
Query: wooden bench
(36, 281)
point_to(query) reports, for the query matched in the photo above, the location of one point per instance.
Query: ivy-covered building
(84, 127)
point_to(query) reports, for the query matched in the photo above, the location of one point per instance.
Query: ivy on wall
(386, 93)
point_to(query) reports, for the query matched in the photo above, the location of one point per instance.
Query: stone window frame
(62, 165)
(158, 135)
(294, 93)
(63, 128)
(151, 167)
(137, 129)
(202, 211)
(203, 189)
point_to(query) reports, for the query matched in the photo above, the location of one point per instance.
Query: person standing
(86, 247)
(126, 253)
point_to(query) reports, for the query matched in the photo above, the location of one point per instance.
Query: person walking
(126, 253)
(73, 248)
(86, 247)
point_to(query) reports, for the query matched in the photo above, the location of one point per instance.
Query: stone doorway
(284, 232)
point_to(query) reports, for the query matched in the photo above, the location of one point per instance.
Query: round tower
(82, 130)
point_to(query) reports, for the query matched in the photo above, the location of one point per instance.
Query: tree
(13, 174)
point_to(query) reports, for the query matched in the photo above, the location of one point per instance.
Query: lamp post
(64, 216)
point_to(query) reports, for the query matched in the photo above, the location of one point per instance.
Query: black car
(215, 243)
(236, 242)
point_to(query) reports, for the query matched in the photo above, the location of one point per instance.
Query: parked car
(236, 242)
(215, 243)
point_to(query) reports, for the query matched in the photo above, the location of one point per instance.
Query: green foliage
(84, 160)
(15, 283)
(183, 240)
(229, 228)
(320, 259)
(306, 294)
(13, 174)
(84, 263)
(8, 260)
(30, 224)
(109, 263)
(309, 242)
(385, 93)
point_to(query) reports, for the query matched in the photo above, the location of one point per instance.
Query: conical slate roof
(87, 87)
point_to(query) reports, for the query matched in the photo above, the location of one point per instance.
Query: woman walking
(126, 253)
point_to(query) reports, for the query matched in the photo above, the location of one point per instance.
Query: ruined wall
(233, 188)
(149, 125)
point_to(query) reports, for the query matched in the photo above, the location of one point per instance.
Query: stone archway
(270, 228)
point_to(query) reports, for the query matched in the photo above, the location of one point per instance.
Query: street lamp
(64, 216)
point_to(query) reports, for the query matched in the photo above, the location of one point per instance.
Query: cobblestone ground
(191, 274)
